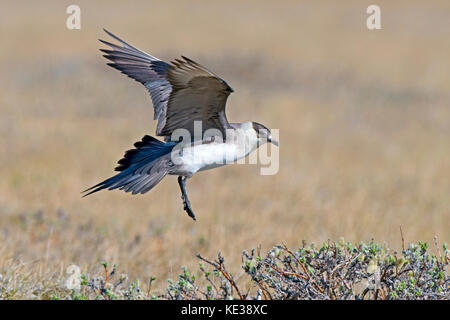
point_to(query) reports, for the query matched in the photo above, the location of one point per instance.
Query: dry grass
(364, 122)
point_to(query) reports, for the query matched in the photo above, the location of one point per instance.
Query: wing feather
(142, 67)
(182, 92)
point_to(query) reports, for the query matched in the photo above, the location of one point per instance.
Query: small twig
(403, 239)
(303, 267)
(106, 275)
(264, 290)
(219, 266)
(382, 294)
(150, 281)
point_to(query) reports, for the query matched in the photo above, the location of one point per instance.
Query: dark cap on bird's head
(262, 132)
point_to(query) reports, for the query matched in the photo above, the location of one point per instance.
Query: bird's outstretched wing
(144, 68)
(182, 92)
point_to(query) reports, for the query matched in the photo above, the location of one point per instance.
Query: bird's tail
(140, 169)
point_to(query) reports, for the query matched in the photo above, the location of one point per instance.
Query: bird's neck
(244, 136)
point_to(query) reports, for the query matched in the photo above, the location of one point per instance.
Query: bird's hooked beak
(273, 141)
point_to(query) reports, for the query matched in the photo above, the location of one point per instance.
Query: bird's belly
(207, 156)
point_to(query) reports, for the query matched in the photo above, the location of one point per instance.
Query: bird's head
(263, 134)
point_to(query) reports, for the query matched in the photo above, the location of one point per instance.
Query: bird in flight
(189, 105)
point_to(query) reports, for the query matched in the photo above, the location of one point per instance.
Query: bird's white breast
(198, 157)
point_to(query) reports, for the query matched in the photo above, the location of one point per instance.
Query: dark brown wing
(197, 95)
(144, 68)
(182, 92)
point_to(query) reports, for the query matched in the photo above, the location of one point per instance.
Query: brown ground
(364, 123)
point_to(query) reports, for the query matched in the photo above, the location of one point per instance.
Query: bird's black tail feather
(140, 168)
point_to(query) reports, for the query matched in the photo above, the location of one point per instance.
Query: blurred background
(364, 119)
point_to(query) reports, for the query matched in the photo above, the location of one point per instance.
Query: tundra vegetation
(364, 119)
(334, 270)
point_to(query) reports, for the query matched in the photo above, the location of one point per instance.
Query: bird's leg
(184, 196)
